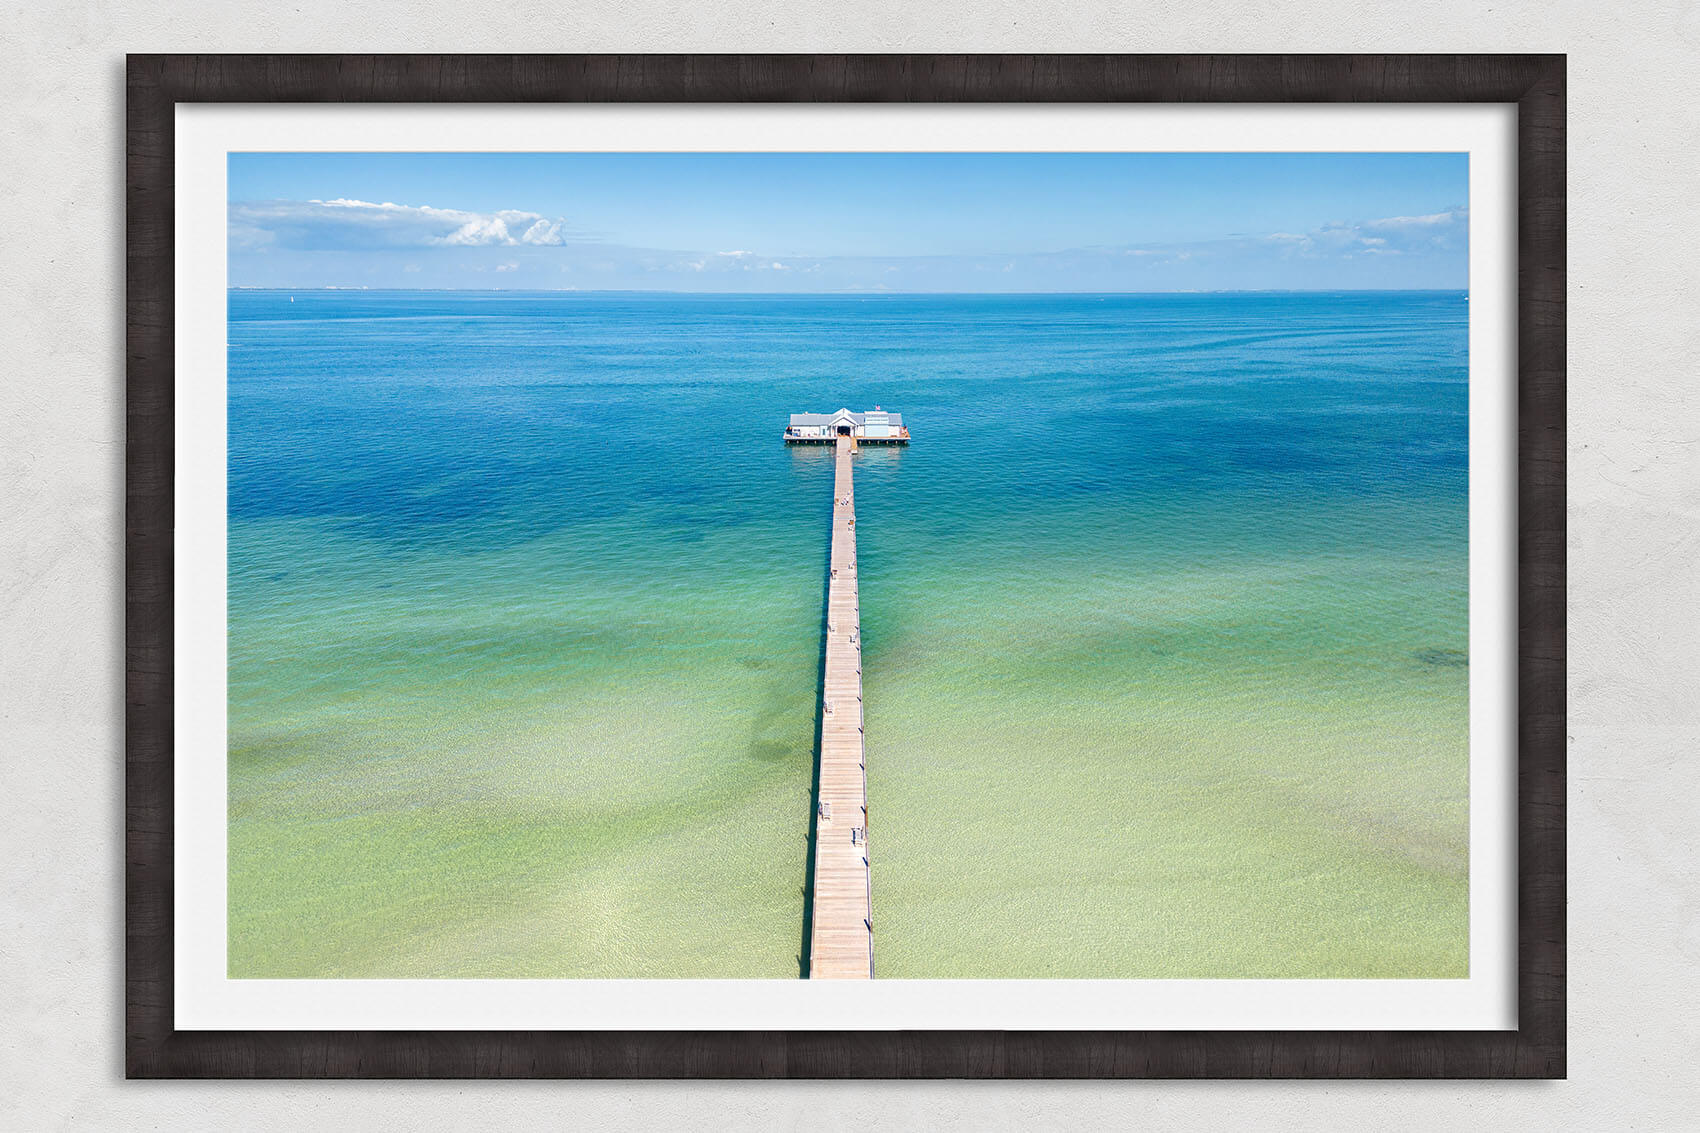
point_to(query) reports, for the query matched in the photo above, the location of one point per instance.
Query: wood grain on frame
(157, 83)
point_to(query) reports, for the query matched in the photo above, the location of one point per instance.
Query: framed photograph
(900, 566)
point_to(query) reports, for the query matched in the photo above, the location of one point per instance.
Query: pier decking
(841, 943)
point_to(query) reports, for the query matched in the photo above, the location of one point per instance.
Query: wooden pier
(841, 943)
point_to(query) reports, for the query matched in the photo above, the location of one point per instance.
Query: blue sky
(850, 222)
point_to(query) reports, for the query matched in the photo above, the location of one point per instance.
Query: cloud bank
(351, 243)
(342, 224)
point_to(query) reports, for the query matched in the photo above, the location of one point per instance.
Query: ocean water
(1164, 623)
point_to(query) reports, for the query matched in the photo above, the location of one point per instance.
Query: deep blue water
(365, 406)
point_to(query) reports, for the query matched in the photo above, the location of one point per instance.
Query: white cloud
(545, 232)
(1158, 254)
(478, 230)
(511, 265)
(1387, 236)
(343, 223)
(1450, 216)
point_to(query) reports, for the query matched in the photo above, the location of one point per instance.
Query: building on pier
(876, 426)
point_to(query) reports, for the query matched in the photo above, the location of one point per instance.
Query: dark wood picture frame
(1535, 83)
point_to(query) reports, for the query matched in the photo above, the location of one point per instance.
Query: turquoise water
(1164, 615)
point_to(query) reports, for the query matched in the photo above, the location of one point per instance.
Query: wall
(1635, 540)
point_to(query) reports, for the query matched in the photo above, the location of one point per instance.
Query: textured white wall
(1634, 545)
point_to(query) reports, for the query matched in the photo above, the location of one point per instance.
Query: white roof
(842, 414)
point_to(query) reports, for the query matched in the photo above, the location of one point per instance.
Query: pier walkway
(842, 939)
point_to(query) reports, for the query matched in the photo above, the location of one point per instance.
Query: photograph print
(896, 566)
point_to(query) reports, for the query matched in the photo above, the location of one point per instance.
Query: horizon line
(856, 293)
